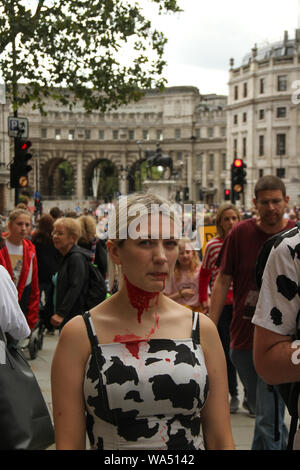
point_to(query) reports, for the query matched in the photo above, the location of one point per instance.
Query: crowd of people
(155, 365)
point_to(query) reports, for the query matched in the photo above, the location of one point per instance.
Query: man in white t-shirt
(277, 316)
(12, 319)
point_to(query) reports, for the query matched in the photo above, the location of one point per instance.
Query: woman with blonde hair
(71, 279)
(134, 372)
(227, 216)
(183, 284)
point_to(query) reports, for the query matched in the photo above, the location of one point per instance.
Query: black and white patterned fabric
(278, 306)
(149, 401)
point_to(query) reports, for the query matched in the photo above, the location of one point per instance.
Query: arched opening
(57, 179)
(102, 182)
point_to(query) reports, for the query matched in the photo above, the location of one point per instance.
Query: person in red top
(227, 216)
(18, 256)
(237, 263)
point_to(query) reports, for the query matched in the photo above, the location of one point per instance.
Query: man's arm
(276, 357)
(218, 296)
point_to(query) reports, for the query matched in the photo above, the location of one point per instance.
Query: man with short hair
(237, 264)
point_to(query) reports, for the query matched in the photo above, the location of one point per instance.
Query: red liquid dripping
(132, 342)
(139, 298)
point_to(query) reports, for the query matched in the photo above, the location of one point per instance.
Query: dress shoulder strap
(90, 329)
(195, 330)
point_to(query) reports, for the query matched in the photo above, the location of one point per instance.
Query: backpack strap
(195, 330)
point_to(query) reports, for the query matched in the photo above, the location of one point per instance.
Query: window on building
(159, 134)
(260, 173)
(236, 92)
(57, 134)
(262, 85)
(235, 148)
(223, 131)
(177, 133)
(179, 156)
(281, 112)
(131, 134)
(87, 134)
(44, 133)
(261, 114)
(71, 135)
(280, 144)
(282, 83)
(261, 145)
(101, 134)
(235, 119)
(198, 132)
(210, 132)
(244, 147)
(145, 134)
(245, 90)
(199, 162)
(244, 117)
(280, 172)
(115, 134)
(211, 162)
(223, 161)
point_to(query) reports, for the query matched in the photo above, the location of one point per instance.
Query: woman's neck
(140, 300)
(13, 241)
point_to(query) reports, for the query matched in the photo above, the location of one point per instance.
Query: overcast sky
(208, 33)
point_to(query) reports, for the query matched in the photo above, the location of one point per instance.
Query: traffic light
(238, 176)
(227, 194)
(19, 168)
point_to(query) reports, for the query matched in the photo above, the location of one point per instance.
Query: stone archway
(57, 179)
(101, 180)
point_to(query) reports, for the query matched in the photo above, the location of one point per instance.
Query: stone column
(79, 185)
(123, 176)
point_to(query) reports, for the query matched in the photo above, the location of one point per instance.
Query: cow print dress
(149, 398)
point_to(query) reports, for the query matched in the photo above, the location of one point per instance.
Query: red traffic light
(227, 192)
(26, 145)
(238, 163)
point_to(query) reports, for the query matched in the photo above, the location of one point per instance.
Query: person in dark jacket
(48, 257)
(89, 241)
(72, 277)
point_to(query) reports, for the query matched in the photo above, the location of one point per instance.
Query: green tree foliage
(74, 50)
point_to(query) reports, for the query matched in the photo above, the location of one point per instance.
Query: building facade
(263, 114)
(95, 148)
(80, 158)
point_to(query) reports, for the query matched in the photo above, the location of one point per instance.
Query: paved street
(242, 425)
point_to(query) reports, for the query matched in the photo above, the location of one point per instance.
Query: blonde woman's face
(185, 255)
(228, 220)
(62, 240)
(19, 228)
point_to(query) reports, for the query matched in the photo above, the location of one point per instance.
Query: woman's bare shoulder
(74, 336)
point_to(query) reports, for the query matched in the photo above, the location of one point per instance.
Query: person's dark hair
(44, 230)
(269, 183)
(55, 212)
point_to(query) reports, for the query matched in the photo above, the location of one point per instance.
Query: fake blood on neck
(139, 298)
